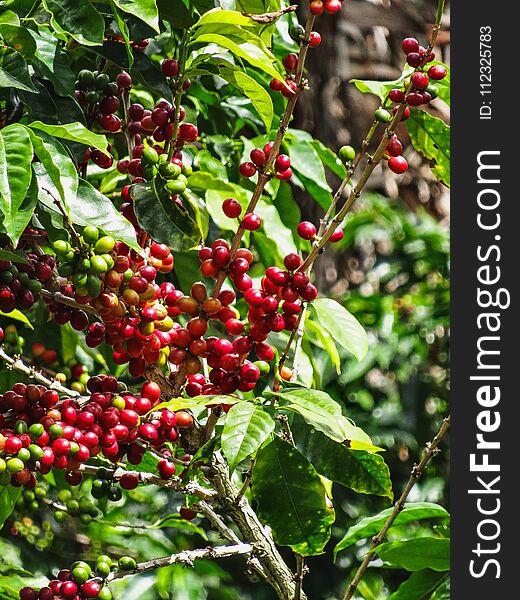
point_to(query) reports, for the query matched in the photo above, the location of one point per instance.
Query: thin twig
(417, 470)
(300, 572)
(187, 557)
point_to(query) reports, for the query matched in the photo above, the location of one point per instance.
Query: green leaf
(90, 207)
(51, 62)
(378, 88)
(431, 137)
(163, 219)
(177, 522)
(146, 10)
(361, 471)
(342, 326)
(195, 402)
(417, 554)
(330, 159)
(369, 526)
(123, 30)
(13, 257)
(418, 585)
(8, 497)
(78, 18)
(73, 132)
(304, 157)
(15, 175)
(9, 17)
(18, 38)
(56, 171)
(291, 498)
(247, 50)
(324, 413)
(254, 91)
(322, 338)
(246, 427)
(218, 17)
(17, 315)
(13, 71)
(443, 592)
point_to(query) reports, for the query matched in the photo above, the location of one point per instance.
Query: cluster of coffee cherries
(158, 123)
(317, 7)
(147, 162)
(21, 282)
(259, 156)
(39, 431)
(13, 342)
(81, 581)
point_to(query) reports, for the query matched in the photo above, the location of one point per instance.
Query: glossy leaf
(321, 337)
(378, 88)
(146, 10)
(8, 497)
(177, 522)
(418, 585)
(15, 175)
(13, 71)
(324, 413)
(361, 471)
(246, 427)
(13, 256)
(443, 592)
(417, 554)
(51, 62)
(431, 137)
(73, 132)
(18, 38)
(369, 526)
(304, 157)
(77, 18)
(342, 326)
(164, 219)
(17, 315)
(218, 17)
(291, 498)
(254, 91)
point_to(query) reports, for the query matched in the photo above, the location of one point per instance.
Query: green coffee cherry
(3, 465)
(104, 245)
(105, 594)
(127, 563)
(115, 494)
(20, 427)
(15, 465)
(104, 558)
(297, 32)
(347, 153)
(187, 170)
(56, 430)
(433, 90)
(102, 568)
(101, 82)
(169, 170)
(175, 186)
(93, 285)
(149, 156)
(86, 78)
(35, 451)
(61, 247)
(98, 264)
(80, 574)
(24, 455)
(92, 97)
(5, 478)
(91, 234)
(382, 115)
(60, 516)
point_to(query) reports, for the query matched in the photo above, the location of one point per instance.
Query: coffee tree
(156, 285)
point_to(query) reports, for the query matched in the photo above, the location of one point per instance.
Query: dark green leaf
(361, 471)
(177, 522)
(417, 554)
(369, 526)
(18, 38)
(78, 18)
(443, 592)
(123, 30)
(342, 326)
(12, 256)
(418, 585)
(8, 497)
(291, 498)
(13, 71)
(431, 137)
(74, 132)
(15, 175)
(246, 427)
(164, 219)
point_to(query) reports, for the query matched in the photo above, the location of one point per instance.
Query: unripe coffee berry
(347, 153)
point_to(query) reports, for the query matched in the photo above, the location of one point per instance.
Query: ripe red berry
(419, 80)
(398, 164)
(338, 235)
(414, 59)
(188, 132)
(151, 390)
(410, 45)
(234, 326)
(124, 81)
(396, 96)
(166, 469)
(332, 6)
(394, 147)
(437, 72)
(251, 222)
(290, 62)
(258, 157)
(129, 481)
(282, 163)
(406, 113)
(314, 39)
(109, 105)
(170, 67)
(276, 85)
(247, 169)
(91, 589)
(414, 99)
(292, 261)
(316, 7)
(306, 230)
(231, 208)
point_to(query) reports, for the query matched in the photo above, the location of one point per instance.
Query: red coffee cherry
(247, 169)
(332, 6)
(338, 235)
(188, 132)
(292, 261)
(231, 208)
(170, 67)
(258, 157)
(282, 163)
(410, 45)
(290, 62)
(414, 59)
(124, 81)
(306, 230)
(316, 7)
(437, 72)
(406, 113)
(398, 164)
(396, 96)
(419, 81)
(314, 39)
(276, 85)
(394, 147)
(251, 222)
